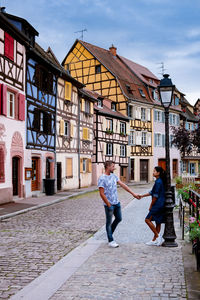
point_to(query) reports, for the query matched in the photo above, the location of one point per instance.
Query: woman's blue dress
(157, 210)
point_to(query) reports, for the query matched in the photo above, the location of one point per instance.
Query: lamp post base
(169, 232)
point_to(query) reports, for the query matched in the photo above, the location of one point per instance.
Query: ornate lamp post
(166, 90)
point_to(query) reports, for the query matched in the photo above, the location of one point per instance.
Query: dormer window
(100, 103)
(142, 93)
(113, 106)
(98, 69)
(129, 89)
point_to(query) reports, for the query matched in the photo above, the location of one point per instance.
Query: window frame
(142, 93)
(123, 128)
(143, 114)
(113, 106)
(2, 162)
(100, 103)
(84, 165)
(9, 93)
(122, 150)
(109, 149)
(108, 123)
(98, 69)
(67, 125)
(132, 137)
(87, 107)
(144, 138)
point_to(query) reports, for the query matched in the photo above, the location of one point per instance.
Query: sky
(148, 32)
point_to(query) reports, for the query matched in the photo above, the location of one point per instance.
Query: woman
(156, 209)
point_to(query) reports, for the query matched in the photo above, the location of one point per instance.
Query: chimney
(113, 50)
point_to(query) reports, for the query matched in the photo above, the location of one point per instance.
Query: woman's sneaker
(159, 240)
(113, 244)
(152, 243)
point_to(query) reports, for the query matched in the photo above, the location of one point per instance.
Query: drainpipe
(79, 174)
(55, 161)
(97, 137)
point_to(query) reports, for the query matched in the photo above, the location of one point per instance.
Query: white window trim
(8, 104)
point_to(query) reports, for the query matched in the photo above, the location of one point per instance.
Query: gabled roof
(142, 72)
(119, 70)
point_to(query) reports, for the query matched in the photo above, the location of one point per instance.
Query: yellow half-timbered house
(106, 73)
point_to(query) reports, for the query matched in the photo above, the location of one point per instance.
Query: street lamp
(166, 90)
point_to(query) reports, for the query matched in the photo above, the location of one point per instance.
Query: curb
(44, 204)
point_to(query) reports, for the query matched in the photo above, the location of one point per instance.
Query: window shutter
(4, 99)
(89, 165)
(104, 123)
(82, 105)
(139, 113)
(186, 125)
(155, 140)
(148, 115)
(21, 107)
(163, 140)
(104, 145)
(170, 119)
(178, 120)
(68, 90)
(91, 108)
(71, 129)
(1, 101)
(128, 151)
(138, 138)
(62, 127)
(81, 165)
(69, 168)
(85, 133)
(163, 117)
(149, 139)
(114, 125)
(9, 46)
(155, 115)
(128, 128)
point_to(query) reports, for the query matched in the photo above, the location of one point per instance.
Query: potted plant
(179, 182)
(195, 238)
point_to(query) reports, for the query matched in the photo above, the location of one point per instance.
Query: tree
(183, 140)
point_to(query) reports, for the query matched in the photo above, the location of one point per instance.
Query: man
(107, 184)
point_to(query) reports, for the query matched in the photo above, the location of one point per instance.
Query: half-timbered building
(111, 133)
(13, 43)
(74, 146)
(106, 73)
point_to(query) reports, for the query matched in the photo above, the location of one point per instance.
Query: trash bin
(49, 186)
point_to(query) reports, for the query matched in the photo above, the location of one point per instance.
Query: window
(130, 111)
(10, 105)
(132, 137)
(66, 128)
(68, 90)
(9, 46)
(144, 139)
(109, 124)
(69, 168)
(142, 93)
(98, 69)
(122, 128)
(176, 100)
(100, 103)
(184, 166)
(2, 168)
(113, 106)
(42, 121)
(86, 134)
(122, 150)
(128, 88)
(109, 149)
(87, 107)
(143, 114)
(158, 139)
(43, 79)
(84, 165)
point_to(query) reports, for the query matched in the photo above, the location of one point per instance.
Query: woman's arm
(145, 195)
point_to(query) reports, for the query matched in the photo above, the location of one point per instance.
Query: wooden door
(144, 170)
(162, 163)
(132, 169)
(15, 175)
(123, 173)
(59, 175)
(35, 174)
(175, 168)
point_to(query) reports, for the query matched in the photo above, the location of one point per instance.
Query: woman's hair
(163, 175)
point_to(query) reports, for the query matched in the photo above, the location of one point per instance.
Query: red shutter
(9, 46)
(21, 107)
(4, 99)
(0, 98)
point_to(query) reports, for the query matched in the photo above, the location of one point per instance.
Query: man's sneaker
(113, 244)
(152, 243)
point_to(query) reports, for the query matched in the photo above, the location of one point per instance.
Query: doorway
(123, 173)
(144, 170)
(35, 174)
(59, 176)
(132, 169)
(162, 163)
(175, 168)
(15, 175)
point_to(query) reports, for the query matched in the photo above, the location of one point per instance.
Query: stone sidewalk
(132, 271)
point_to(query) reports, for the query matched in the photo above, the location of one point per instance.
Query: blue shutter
(163, 140)
(170, 119)
(186, 125)
(155, 115)
(178, 120)
(155, 144)
(163, 117)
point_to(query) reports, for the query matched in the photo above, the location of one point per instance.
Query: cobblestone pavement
(132, 271)
(31, 243)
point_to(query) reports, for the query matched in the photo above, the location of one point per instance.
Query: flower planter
(179, 185)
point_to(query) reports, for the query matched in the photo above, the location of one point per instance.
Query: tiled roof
(190, 116)
(107, 111)
(119, 69)
(142, 72)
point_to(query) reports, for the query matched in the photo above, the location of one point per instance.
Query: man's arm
(103, 196)
(126, 188)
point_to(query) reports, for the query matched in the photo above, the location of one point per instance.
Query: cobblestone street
(32, 242)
